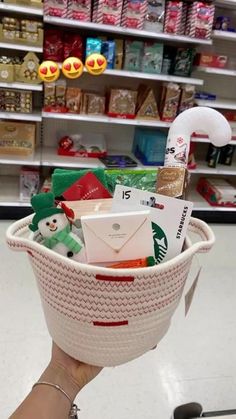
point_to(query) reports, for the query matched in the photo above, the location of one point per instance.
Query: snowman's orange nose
(51, 225)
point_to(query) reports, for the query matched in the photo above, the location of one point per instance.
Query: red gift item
(53, 45)
(73, 46)
(85, 188)
(66, 143)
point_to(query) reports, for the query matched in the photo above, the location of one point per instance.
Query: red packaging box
(217, 192)
(210, 60)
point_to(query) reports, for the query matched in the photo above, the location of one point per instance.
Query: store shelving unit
(15, 8)
(18, 47)
(34, 116)
(47, 156)
(24, 86)
(155, 77)
(106, 120)
(96, 27)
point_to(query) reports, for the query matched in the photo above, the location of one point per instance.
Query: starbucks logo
(160, 242)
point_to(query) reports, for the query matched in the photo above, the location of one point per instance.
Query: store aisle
(195, 362)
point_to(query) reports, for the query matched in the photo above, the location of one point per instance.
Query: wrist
(58, 374)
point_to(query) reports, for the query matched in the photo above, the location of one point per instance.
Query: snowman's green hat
(43, 206)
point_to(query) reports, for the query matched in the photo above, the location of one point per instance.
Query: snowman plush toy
(54, 225)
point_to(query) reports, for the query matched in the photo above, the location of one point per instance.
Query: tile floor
(196, 361)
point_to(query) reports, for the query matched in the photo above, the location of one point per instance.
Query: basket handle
(204, 231)
(17, 235)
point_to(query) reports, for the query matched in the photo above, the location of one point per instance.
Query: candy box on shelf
(79, 10)
(200, 20)
(107, 12)
(152, 57)
(29, 183)
(27, 72)
(133, 13)
(173, 17)
(154, 18)
(183, 62)
(83, 145)
(34, 39)
(149, 146)
(7, 73)
(122, 103)
(211, 60)
(57, 8)
(217, 192)
(169, 101)
(17, 138)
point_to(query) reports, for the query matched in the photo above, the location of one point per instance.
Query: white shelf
(52, 159)
(219, 170)
(33, 160)
(8, 45)
(206, 140)
(106, 120)
(225, 35)
(149, 76)
(123, 31)
(200, 204)
(217, 104)
(17, 116)
(226, 3)
(7, 7)
(23, 86)
(9, 192)
(218, 71)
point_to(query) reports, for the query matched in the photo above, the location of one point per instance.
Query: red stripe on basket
(111, 324)
(114, 278)
(30, 253)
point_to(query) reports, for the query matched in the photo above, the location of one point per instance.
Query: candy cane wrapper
(199, 24)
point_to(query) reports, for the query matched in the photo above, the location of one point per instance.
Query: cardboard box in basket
(17, 138)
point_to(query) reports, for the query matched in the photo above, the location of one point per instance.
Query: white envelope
(117, 236)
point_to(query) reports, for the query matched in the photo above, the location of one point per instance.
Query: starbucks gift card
(169, 216)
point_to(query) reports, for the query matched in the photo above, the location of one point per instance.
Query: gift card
(169, 216)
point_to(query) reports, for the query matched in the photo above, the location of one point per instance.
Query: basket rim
(14, 240)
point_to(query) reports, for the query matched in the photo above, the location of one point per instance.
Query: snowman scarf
(64, 237)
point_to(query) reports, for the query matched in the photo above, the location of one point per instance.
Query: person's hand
(70, 374)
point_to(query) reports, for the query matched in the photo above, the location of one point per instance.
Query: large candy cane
(205, 119)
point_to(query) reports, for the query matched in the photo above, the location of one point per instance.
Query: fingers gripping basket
(104, 316)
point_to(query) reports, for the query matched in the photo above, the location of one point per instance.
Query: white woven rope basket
(107, 316)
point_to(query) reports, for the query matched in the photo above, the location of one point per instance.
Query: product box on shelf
(133, 13)
(83, 145)
(152, 57)
(28, 39)
(187, 98)
(183, 62)
(122, 103)
(173, 17)
(133, 55)
(55, 8)
(119, 52)
(29, 183)
(92, 104)
(200, 19)
(169, 101)
(27, 72)
(107, 12)
(17, 138)
(15, 100)
(146, 107)
(79, 10)
(217, 192)
(154, 18)
(7, 73)
(210, 60)
(149, 146)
